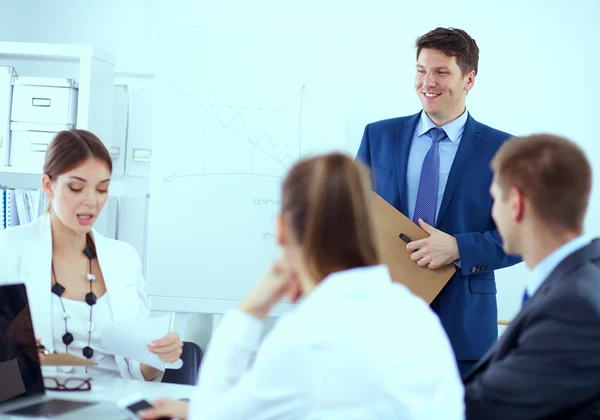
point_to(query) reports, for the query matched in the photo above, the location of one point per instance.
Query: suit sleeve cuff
(472, 261)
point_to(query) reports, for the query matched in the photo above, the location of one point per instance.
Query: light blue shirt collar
(548, 264)
(453, 129)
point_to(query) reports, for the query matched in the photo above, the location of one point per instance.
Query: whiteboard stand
(179, 321)
(180, 324)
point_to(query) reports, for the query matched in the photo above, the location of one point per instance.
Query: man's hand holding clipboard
(394, 233)
(435, 251)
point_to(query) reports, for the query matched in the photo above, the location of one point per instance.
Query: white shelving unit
(91, 67)
(134, 100)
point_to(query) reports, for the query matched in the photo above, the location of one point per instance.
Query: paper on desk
(130, 339)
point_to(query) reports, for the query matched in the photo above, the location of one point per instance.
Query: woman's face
(78, 196)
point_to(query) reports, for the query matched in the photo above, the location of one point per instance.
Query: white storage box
(44, 100)
(28, 145)
(120, 121)
(139, 137)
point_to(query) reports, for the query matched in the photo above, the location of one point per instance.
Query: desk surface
(111, 390)
(115, 389)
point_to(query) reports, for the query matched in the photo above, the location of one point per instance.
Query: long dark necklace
(90, 298)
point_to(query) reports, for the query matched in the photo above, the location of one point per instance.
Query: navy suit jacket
(467, 304)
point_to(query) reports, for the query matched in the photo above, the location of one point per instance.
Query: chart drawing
(242, 140)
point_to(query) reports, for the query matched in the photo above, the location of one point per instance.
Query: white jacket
(358, 347)
(26, 257)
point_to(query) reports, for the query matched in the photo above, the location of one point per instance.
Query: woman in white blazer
(76, 279)
(356, 346)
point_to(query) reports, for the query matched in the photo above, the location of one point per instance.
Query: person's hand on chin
(279, 281)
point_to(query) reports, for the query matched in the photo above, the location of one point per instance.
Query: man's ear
(281, 230)
(517, 204)
(470, 80)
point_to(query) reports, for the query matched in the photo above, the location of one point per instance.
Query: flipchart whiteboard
(239, 111)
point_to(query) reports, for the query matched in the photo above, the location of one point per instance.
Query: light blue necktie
(430, 177)
(525, 298)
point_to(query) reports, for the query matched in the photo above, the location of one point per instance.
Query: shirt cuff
(135, 368)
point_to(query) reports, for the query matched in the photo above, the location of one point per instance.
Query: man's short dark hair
(454, 43)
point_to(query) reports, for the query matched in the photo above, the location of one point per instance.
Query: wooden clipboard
(389, 225)
(63, 359)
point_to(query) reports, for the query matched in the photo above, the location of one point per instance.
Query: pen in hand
(41, 349)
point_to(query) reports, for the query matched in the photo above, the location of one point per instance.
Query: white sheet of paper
(130, 339)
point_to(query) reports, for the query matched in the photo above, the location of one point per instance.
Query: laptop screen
(19, 363)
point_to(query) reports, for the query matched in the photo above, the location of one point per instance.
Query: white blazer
(358, 347)
(26, 257)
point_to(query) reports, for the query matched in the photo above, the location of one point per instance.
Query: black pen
(405, 238)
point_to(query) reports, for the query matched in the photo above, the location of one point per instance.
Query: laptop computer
(22, 391)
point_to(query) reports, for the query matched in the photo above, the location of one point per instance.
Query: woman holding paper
(357, 346)
(77, 280)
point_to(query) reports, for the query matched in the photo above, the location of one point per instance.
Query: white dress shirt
(358, 347)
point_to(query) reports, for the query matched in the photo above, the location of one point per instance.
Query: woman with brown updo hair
(78, 280)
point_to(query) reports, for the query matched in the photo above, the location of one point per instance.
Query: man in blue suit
(434, 167)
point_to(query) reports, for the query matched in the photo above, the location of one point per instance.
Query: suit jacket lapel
(35, 268)
(404, 136)
(515, 324)
(35, 271)
(468, 145)
(563, 269)
(109, 265)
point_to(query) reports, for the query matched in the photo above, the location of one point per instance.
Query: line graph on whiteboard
(239, 139)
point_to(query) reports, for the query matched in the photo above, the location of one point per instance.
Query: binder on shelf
(2, 209)
(11, 215)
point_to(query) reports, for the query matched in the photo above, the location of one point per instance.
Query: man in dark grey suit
(547, 363)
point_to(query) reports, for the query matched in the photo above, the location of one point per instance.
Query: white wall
(538, 60)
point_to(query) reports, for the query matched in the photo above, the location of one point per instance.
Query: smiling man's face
(441, 86)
